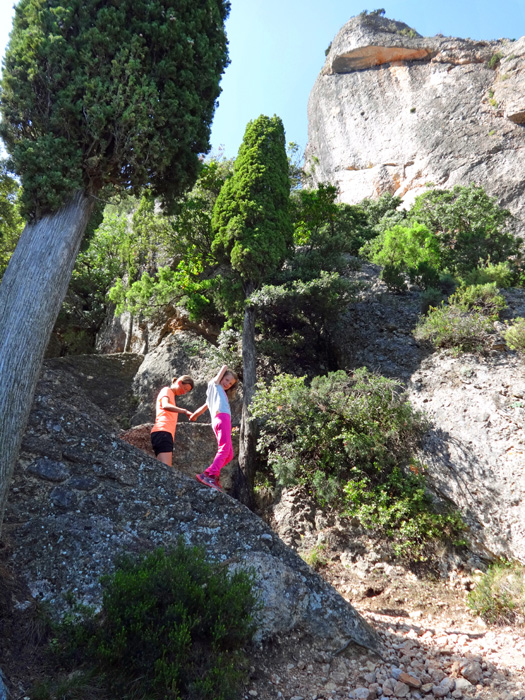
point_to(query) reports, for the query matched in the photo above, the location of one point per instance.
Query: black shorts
(162, 441)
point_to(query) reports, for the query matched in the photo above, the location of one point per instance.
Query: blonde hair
(232, 391)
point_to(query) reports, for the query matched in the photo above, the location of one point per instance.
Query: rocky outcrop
(475, 450)
(392, 111)
(81, 496)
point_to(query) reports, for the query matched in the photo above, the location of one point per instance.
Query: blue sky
(277, 50)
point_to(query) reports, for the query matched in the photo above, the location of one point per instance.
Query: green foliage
(407, 252)
(251, 221)
(110, 95)
(515, 335)
(495, 60)
(81, 685)
(500, 273)
(431, 297)
(466, 323)
(184, 241)
(483, 298)
(11, 222)
(469, 226)
(350, 441)
(454, 327)
(296, 318)
(499, 596)
(315, 557)
(172, 625)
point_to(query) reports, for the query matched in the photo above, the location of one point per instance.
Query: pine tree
(96, 97)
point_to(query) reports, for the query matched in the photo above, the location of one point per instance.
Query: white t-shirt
(216, 399)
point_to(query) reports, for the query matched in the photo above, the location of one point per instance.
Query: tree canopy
(251, 218)
(116, 94)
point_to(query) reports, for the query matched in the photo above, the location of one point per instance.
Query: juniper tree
(253, 234)
(96, 97)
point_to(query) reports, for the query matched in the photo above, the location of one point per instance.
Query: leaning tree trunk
(247, 453)
(31, 294)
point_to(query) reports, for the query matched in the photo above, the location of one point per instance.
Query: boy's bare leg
(165, 458)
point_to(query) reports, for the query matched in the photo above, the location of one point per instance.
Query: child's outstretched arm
(198, 412)
(220, 374)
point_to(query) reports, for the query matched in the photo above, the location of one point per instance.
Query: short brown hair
(185, 379)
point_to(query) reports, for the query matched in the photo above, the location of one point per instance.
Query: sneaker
(209, 480)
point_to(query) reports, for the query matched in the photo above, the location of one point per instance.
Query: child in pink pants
(219, 407)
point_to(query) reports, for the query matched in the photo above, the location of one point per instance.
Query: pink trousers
(222, 427)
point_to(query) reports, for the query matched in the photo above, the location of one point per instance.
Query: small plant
(453, 327)
(327, 50)
(412, 110)
(484, 298)
(493, 103)
(430, 298)
(350, 442)
(495, 60)
(315, 557)
(501, 274)
(172, 625)
(492, 132)
(499, 596)
(515, 335)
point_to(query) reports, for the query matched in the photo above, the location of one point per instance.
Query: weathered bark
(31, 294)
(247, 451)
(129, 334)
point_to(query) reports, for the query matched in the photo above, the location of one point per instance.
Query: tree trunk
(31, 294)
(129, 334)
(247, 452)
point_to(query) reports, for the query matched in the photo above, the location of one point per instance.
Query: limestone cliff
(392, 111)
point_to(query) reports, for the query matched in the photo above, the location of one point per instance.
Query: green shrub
(515, 335)
(172, 626)
(453, 327)
(447, 283)
(411, 252)
(350, 441)
(495, 60)
(500, 273)
(483, 298)
(499, 596)
(470, 227)
(431, 297)
(394, 278)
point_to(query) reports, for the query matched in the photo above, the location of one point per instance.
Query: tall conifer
(96, 97)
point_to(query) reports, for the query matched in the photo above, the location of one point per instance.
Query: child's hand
(193, 416)
(189, 414)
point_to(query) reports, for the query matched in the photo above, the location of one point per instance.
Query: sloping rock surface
(392, 111)
(475, 450)
(81, 496)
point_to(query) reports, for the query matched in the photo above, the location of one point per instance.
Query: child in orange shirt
(163, 432)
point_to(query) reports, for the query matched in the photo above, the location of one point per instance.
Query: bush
(499, 596)
(501, 274)
(407, 251)
(453, 327)
(470, 227)
(483, 298)
(431, 297)
(515, 335)
(350, 442)
(172, 625)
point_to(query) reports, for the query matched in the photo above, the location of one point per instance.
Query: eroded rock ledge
(454, 109)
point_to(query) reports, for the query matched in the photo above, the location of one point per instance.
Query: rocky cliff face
(80, 496)
(392, 111)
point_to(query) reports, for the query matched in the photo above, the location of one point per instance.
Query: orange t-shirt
(165, 420)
